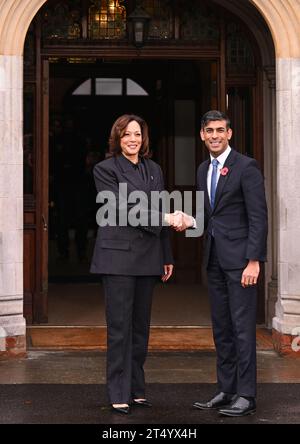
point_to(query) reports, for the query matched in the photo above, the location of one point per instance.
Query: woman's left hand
(168, 272)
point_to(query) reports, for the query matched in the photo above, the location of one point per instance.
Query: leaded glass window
(62, 20)
(239, 52)
(198, 22)
(192, 20)
(29, 48)
(107, 19)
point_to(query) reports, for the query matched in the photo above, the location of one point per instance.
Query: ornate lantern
(138, 25)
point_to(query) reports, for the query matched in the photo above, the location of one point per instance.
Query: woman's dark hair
(212, 116)
(118, 131)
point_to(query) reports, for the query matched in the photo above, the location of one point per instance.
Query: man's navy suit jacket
(238, 222)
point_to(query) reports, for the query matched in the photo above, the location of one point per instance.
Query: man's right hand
(174, 219)
(180, 221)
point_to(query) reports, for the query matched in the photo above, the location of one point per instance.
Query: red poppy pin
(224, 171)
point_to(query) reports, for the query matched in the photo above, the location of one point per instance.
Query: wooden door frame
(40, 299)
(40, 312)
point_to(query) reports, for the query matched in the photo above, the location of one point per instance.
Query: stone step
(161, 338)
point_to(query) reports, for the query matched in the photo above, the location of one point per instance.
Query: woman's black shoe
(142, 403)
(123, 410)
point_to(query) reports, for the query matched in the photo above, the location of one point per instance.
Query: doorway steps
(161, 338)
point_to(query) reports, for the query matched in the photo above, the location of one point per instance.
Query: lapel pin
(224, 171)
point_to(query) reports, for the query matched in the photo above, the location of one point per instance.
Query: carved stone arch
(256, 25)
(281, 16)
(15, 19)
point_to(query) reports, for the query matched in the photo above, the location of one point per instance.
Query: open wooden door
(41, 314)
(36, 134)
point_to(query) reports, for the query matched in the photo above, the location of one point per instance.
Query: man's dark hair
(212, 116)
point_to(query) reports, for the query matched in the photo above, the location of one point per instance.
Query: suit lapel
(132, 176)
(224, 179)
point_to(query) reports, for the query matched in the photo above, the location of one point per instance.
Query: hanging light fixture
(138, 25)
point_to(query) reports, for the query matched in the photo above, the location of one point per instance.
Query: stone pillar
(286, 323)
(270, 144)
(12, 322)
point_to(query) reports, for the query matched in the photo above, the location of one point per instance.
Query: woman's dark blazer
(133, 251)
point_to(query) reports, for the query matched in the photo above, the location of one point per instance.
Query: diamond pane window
(107, 19)
(198, 22)
(239, 52)
(29, 48)
(62, 20)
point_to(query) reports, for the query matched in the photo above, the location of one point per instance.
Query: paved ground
(69, 387)
(172, 404)
(88, 367)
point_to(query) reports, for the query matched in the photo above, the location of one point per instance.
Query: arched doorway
(217, 65)
(282, 20)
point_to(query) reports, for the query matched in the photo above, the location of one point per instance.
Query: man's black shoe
(240, 407)
(220, 400)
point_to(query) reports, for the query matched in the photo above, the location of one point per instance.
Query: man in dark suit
(235, 244)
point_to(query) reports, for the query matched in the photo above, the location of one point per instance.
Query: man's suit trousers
(233, 311)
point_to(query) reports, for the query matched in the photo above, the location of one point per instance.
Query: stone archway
(283, 20)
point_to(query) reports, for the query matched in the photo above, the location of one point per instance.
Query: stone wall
(287, 319)
(11, 206)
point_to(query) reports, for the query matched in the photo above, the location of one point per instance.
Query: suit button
(141, 236)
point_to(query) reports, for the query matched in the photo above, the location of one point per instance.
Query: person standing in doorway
(236, 237)
(130, 260)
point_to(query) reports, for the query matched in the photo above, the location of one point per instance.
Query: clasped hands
(179, 220)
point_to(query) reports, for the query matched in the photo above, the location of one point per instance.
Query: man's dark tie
(213, 184)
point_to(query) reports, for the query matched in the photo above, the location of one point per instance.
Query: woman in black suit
(130, 260)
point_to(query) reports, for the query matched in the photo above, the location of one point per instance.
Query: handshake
(179, 220)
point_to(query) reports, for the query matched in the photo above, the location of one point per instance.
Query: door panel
(36, 196)
(191, 93)
(29, 261)
(43, 172)
(29, 155)
(243, 114)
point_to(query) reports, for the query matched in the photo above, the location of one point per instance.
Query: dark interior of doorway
(84, 102)
(85, 99)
